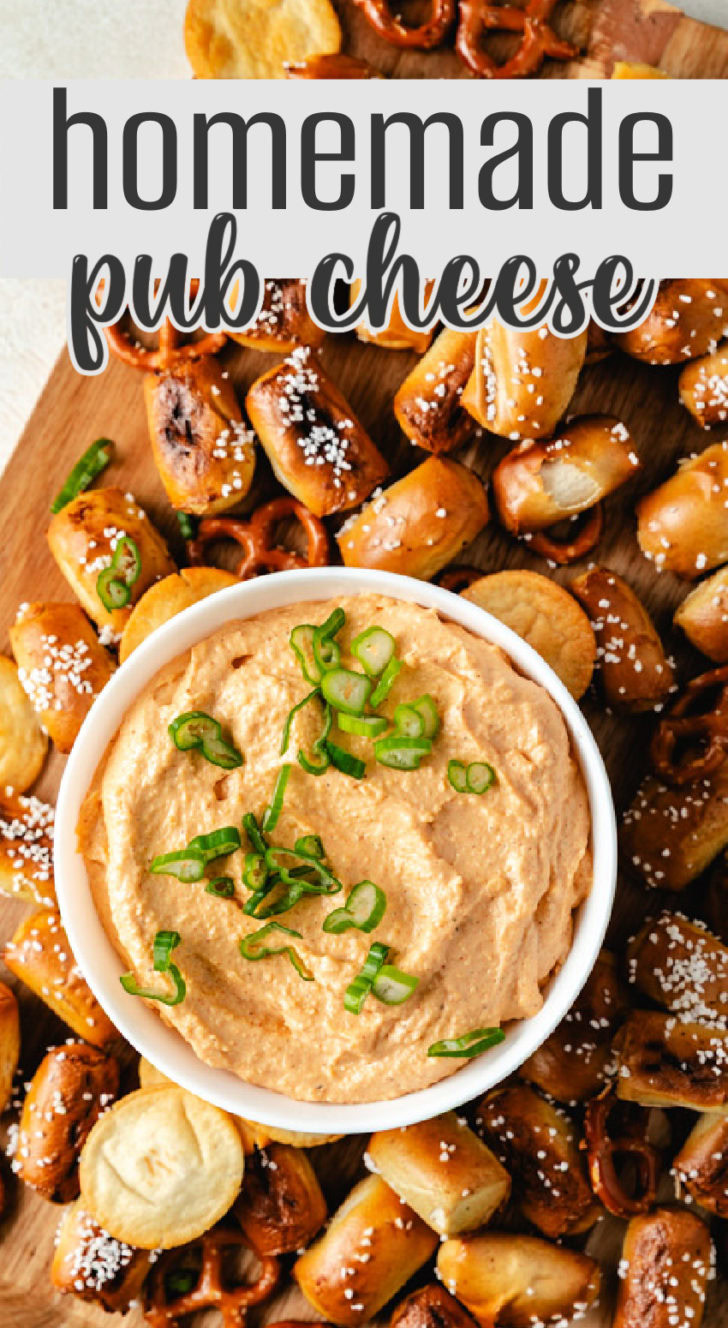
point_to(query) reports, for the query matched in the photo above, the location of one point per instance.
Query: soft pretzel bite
(517, 1281)
(443, 1171)
(371, 1247)
(318, 449)
(281, 1206)
(257, 38)
(62, 666)
(522, 379)
(419, 524)
(284, 321)
(428, 404)
(703, 616)
(634, 671)
(90, 1264)
(539, 1147)
(23, 743)
(682, 526)
(203, 449)
(664, 1270)
(664, 1062)
(70, 1089)
(396, 335)
(680, 965)
(670, 835)
(703, 386)
(702, 1163)
(573, 1063)
(9, 1043)
(168, 597)
(39, 954)
(687, 319)
(430, 1306)
(26, 849)
(546, 616)
(83, 537)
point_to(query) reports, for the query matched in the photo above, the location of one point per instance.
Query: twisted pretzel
(379, 14)
(569, 551)
(707, 727)
(458, 578)
(539, 39)
(170, 350)
(210, 1290)
(631, 1142)
(256, 539)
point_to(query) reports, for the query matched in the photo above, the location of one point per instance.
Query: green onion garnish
(309, 846)
(301, 643)
(328, 884)
(286, 734)
(327, 651)
(408, 721)
(252, 947)
(358, 990)
(186, 864)
(346, 690)
(197, 731)
(114, 584)
(218, 844)
(95, 459)
(252, 830)
(470, 1044)
(255, 871)
(473, 778)
(345, 761)
(427, 708)
(164, 943)
(402, 753)
(386, 683)
(223, 887)
(364, 909)
(187, 525)
(393, 987)
(271, 814)
(319, 760)
(363, 726)
(374, 648)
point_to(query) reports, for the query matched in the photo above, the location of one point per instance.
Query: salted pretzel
(210, 1290)
(565, 551)
(170, 351)
(539, 39)
(709, 728)
(609, 1137)
(379, 14)
(256, 538)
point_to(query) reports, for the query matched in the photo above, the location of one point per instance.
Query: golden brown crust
(428, 404)
(23, 743)
(331, 66)
(443, 1171)
(670, 835)
(598, 343)
(396, 335)
(664, 1270)
(70, 1089)
(523, 380)
(702, 1163)
(666, 1063)
(539, 1147)
(371, 1247)
(83, 536)
(431, 1306)
(573, 1063)
(318, 449)
(254, 39)
(39, 954)
(202, 447)
(703, 616)
(61, 664)
(680, 965)
(281, 1206)
(682, 526)
(704, 387)
(168, 597)
(420, 524)
(687, 319)
(90, 1264)
(26, 849)
(284, 321)
(9, 1043)
(634, 671)
(517, 1281)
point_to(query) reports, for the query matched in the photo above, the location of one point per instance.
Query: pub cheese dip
(477, 887)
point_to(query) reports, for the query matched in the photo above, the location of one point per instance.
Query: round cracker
(23, 744)
(547, 617)
(168, 598)
(257, 38)
(161, 1167)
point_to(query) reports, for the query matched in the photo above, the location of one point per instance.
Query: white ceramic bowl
(101, 965)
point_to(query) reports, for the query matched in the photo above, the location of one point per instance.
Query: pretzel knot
(210, 1289)
(539, 39)
(604, 1149)
(256, 538)
(379, 14)
(170, 351)
(704, 732)
(570, 550)
(458, 578)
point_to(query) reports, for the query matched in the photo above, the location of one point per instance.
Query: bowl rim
(101, 965)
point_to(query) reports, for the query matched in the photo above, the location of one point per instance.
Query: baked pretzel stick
(682, 526)
(428, 34)
(634, 671)
(671, 834)
(703, 616)
(431, 1306)
(281, 1206)
(573, 1063)
(538, 38)
(704, 387)
(61, 664)
(284, 321)
(701, 1166)
(687, 320)
(9, 1043)
(523, 379)
(40, 955)
(90, 1264)
(665, 1267)
(664, 1062)
(396, 335)
(679, 964)
(26, 849)
(517, 1281)
(428, 404)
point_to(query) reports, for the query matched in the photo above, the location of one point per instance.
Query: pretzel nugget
(431, 1306)
(546, 616)
(161, 1167)
(679, 964)
(62, 666)
(257, 38)
(443, 1171)
(39, 954)
(702, 1163)
(420, 524)
(284, 321)
(9, 1043)
(666, 1263)
(522, 380)
(634, 671)
(26, 849)
(428, 404)
(169, 597)
(687, 319)
(335, 1276)
(203, 450)
(539, 1147)
(23, 743)
(517, 1281)
(682, 526)
(703, 386)
(70, 1089)
(90, 1264)
(281, 1206)
(670, 835)
(666, 1063)
(396, 335)
(703, 616)
(318, 449)
(573, 1063)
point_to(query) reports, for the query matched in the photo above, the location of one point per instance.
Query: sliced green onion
(409, 721)
(393, 987)
(286, 735)
(386, 683)
(364, 909)
(346, 690)
(95, 459)
(346, 762)
(374, 648)
(252, 830)
(197, 731)
(301, 643)
(186, 864)
(111, 590)
(255, 871)
(401, 753)
(218, 844)
(114, 584)
(328, 883)
(309, 846)
(358, 990)
(327, 652)
(426, 707)
(187, 525)
(252, 947)
(164, 943)
(470, 1044)
(458, 776)
(223, 887)
(319, 760)
(364, 726)
(473, 778)
(271, 814)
